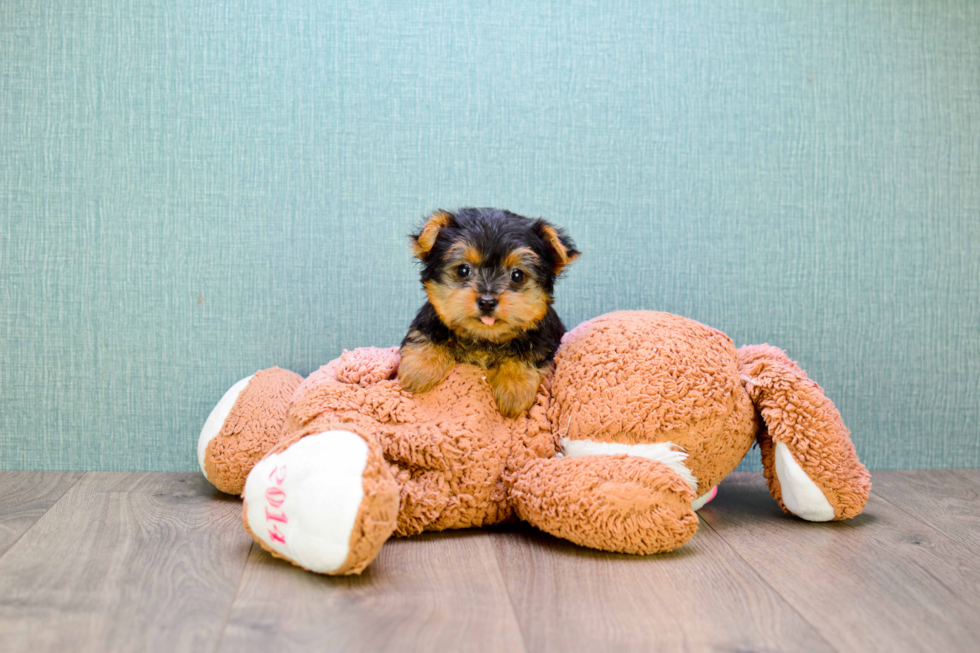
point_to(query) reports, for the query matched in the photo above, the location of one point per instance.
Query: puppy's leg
(423, 363)
(515, 385)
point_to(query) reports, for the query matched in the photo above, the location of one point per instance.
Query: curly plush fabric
(612, 503)
(797, 413)
(253, 426)
(376, 518)
(368, 365)
(641, 377)
(643, 413)
(451, 465)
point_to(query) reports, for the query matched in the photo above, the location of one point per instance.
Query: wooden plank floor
(135, 562)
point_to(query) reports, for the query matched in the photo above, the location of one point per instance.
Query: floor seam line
(510, 599)
(951, 538)
(41, 516)
(765, 580)
(234, 597)
(964, 473)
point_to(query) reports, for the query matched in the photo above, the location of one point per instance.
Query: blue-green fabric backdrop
(190, 191)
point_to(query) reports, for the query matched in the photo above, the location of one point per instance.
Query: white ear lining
(801, 496)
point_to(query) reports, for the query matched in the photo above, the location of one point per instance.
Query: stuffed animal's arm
(621, 503)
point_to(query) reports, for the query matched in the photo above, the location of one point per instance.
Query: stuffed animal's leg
(425, 497)
(249, 419)
(245, 424)
(620, 503)
(808, 459)
(327, 498)
(324, 500)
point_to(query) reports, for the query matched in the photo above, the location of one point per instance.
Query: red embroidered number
(276, 496)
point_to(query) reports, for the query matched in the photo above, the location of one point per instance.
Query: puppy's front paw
(515, 385)
(423, 365)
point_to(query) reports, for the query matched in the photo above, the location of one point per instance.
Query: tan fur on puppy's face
(453, 304)
(520, 307)
(523, 308)
(521, 257)
(519, 310)
(464, 253)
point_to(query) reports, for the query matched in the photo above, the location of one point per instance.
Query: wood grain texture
(124, 562)
(433, 592)
(700, 597)
(143, 561)
(971, 475)
(885, 580)
(947, 500)
(25, 497)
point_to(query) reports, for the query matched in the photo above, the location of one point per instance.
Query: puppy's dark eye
(463, 271)
(517, 276)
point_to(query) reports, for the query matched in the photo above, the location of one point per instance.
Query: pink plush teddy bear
(644, 414)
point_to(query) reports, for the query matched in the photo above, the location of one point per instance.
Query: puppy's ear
(558, 243)
(424, 240)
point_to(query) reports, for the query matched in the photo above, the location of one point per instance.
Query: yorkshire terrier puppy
(489, 276)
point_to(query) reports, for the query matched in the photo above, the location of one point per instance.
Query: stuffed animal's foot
(809, 461)
(704, 499)
(244, 425)
(325, 502)
(621, 503)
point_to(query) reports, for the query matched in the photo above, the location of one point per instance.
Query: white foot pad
(303, 502)
(801, 496)
(214, 422)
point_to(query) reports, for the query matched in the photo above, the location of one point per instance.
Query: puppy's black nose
(487, 303)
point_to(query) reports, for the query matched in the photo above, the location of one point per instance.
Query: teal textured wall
(190, 191)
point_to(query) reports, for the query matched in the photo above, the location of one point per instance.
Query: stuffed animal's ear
(562, 247)
(424, 240)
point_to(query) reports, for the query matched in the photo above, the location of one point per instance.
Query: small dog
(489, 275)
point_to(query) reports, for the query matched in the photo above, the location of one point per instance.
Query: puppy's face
(490, 274)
